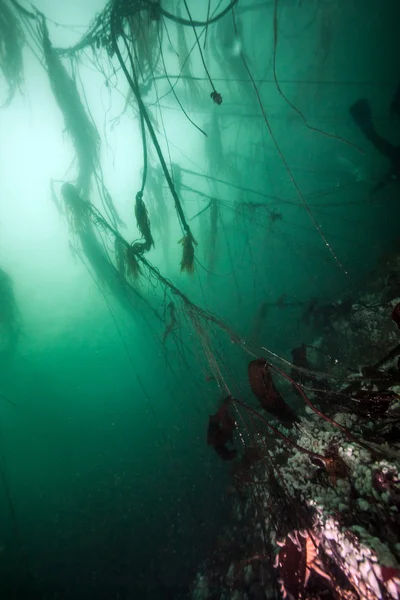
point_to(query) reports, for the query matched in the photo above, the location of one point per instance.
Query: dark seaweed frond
(187, 262)
(143, 26)
(78, 210)
(11, 42)
(83, 133)
(132, 262)
(143, 221)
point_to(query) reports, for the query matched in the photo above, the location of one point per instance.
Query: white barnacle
(392, 589)
(374, 584)
(365, 568)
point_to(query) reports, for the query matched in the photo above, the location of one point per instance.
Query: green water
(108, 489)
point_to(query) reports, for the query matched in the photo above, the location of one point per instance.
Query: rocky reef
(315, 509)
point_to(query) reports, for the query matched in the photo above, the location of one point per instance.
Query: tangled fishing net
(313, 446)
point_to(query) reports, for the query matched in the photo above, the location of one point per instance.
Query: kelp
(76, 208)
(132, 263)
(11, 43)
(82, 131)
(143, 221)
(93, 228)
(188, 246)
(78, 124)
(143, 26)
(87, 227)
(187, 262)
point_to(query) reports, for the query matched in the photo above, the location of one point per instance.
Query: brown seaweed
(187, 262)
(143, 221)
(263, 388)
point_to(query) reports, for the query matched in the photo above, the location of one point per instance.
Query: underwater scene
(199, 300)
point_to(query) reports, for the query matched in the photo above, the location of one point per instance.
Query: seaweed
(11, 43)
(143, 221)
